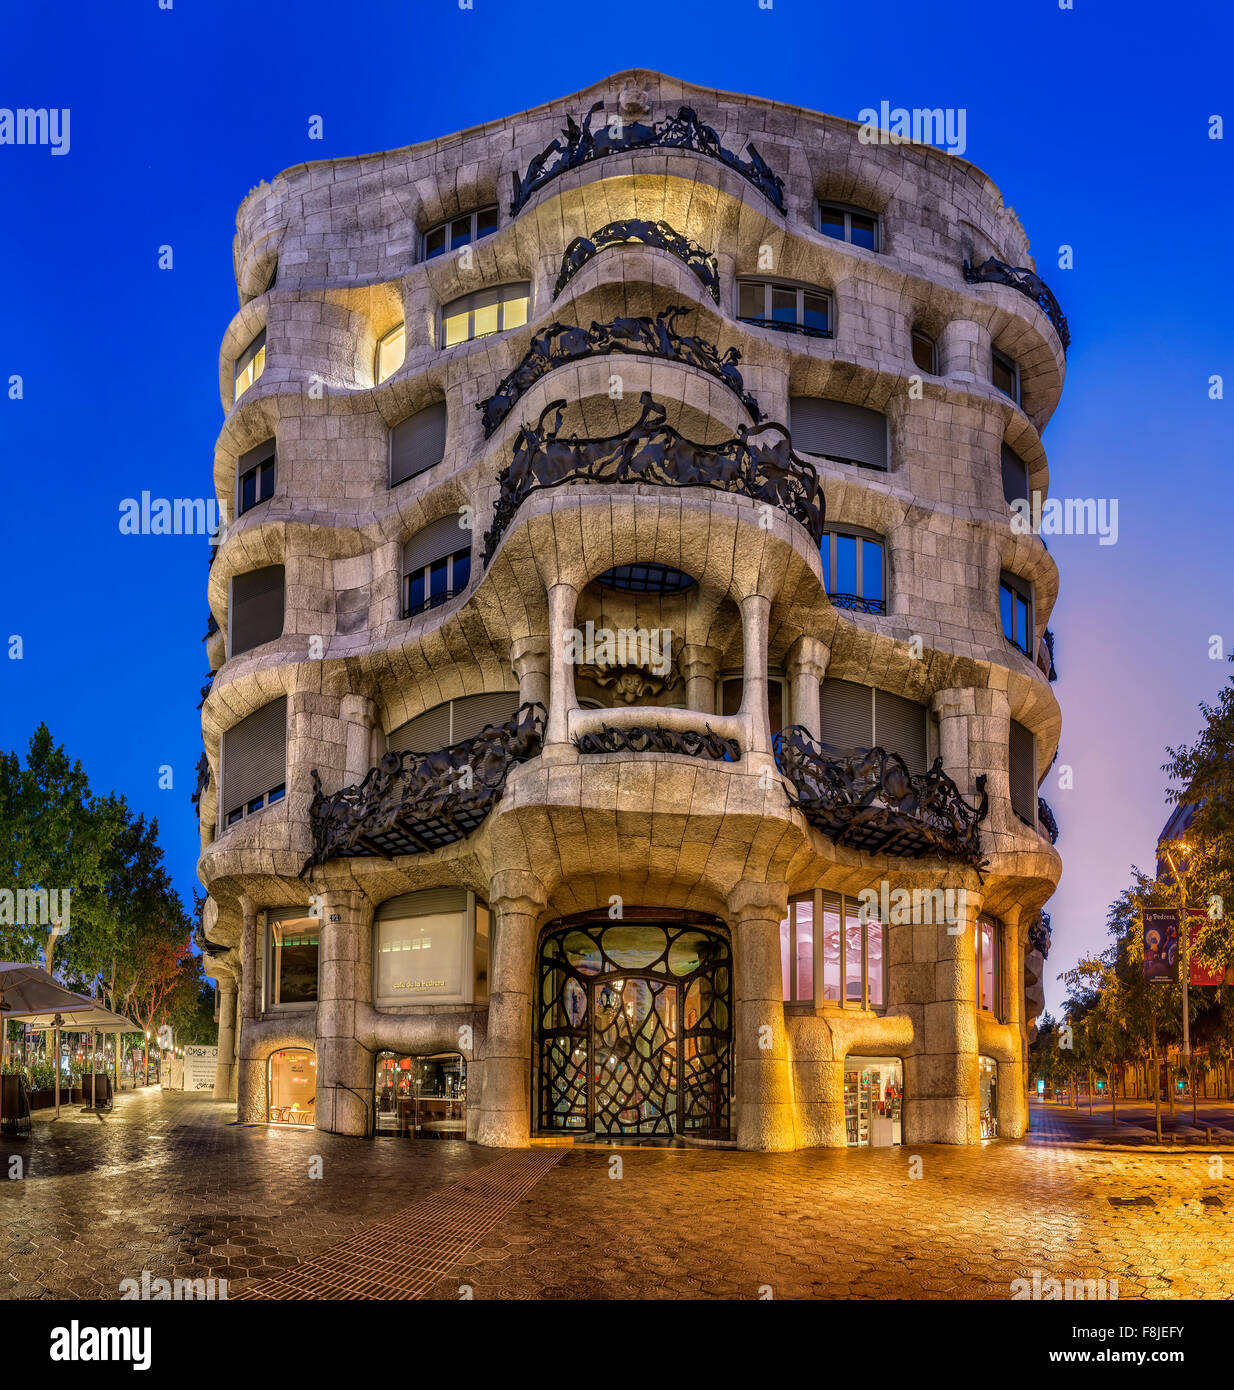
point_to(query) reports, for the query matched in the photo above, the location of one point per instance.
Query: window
(731, 693)
(424, 948)
(841, 432)
(390, 354)
(853, 570)
(453, 721)
(291, 958)
(1022, 773)
(255, 761)
(834, 950)
(847, 223)
(648, 578)
(1005, 374)
(436, 565)
(291, 1086)
(417, 443)
(255, 476)
(854, 716)
(256, 609)
(793, 308)
(485, 312)
(421, 1097)
(988, 948)
(1015, 477)
(1015, 601)
(250, 365)
(459, 232)
(925, 352)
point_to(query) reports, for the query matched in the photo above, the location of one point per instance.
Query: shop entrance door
(634, 1056)
(873, 1101)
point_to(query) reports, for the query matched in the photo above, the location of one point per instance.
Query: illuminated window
(988, 950)
(827, 951)
(390, 354)
(459, 232)
(291, 958)
(250, 365)
(797, 950)
(485, 312)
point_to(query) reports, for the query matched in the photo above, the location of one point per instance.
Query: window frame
(501, 306)
(850, 913)
(378, 379)
(997, 961)
(256, 350)
(256, 468)
(859, 533)
(849, 209)
(467, 956)
(1021, 591)
(267, 985)
(452, 590)
(920, 335)
(448, 227)
(1009, 364)
(801, 289)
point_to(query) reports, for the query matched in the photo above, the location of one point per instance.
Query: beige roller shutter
(437, 540)
(473, 713)
(900, 727)
(425, 733)
(255, 755)
(423, 904)
(256, 610)
(846, 714)
(837, 430)
(417, 443)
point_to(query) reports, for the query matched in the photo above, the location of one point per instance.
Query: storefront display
(421, 1097)
(431, 948)
(873, 1101)
(292, 1087)
(987, 1069)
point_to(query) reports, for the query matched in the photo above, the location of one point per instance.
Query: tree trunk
(1090, 1090)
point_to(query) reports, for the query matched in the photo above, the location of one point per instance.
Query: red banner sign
(1198, 974)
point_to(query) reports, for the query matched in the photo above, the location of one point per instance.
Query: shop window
(833, 949)
(987, 1071)
(873, 1101)
(485, 312)
(249, 365)
(790, 308)
(1015, 605)
(854, 571)
(460, 231)
(988, 950)
(797, 950)
(255, 473)
(925, 352)
(425, 950)
(421, 1097)
(1005, 374)
(291, 1087)
(391, 353)
(844, 222)
(291, 958)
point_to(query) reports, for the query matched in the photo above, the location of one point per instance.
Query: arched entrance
(634, 1027)
(291, 1086)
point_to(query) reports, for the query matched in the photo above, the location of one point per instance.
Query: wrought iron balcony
(652, 452)
(413, 803)
(203, 780)
(856, 604)
(805, 329)
(651, 739)
(1048, 639)
(1029, 283)
(1046, 821)
(434, 601)
(1039, 933)
(563, 343)
(867, 799)
(684, 131)
(633, 230)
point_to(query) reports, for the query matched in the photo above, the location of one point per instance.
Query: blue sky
(1093, 122)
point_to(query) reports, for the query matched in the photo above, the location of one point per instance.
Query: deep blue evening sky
(1093, 122)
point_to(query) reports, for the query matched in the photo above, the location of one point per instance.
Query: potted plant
(41, 1080)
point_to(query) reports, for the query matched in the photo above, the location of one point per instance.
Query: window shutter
(437, 540)
(846, 713)
(485, 298)
(1022, 765)
(900, 727)
(417, 443)
(255, 755)
(256, 608)
(255, 456)
(426, 733)
(423, 904)
(1015, 476)
(837, 430)
(474, 712)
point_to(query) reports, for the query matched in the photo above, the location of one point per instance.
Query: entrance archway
(634, 1027)
(291, 1086)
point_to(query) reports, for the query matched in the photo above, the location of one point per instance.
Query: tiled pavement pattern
(167, 1185)
(1059, 1123)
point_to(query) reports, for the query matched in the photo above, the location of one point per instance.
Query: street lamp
(1184, 933)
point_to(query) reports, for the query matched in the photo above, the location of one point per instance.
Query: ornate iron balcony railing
(203, 780)
(561, 344)
(1039, 933)
(806, 330)
(630, 231)
(856, 604)
(1046, 821)
(651, 739)
(868, 800)
(652, 452)
(413, 803)
(684, 131)
(1052, 673)
(434, 601)
(1029, 283)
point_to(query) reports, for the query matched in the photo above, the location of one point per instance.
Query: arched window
(484, 312)
(453, 721)
(390, 354)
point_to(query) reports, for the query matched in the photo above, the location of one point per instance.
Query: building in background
(630, 693)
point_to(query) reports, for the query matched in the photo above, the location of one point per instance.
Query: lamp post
(1184, 933)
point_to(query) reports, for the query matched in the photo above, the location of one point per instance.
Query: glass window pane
(923, 352)
(1004, 377)
(486, 221)
(831, 950)
(831, 223)
(1021, 622)
(816, 312)
(266, 488)
(986, 995)
(460, 232)
(248, 489)
(875, 965)
(486, 320)
(437, 578)
(434, 243)
(750, 301)
(454, 330)
(786, 963)
(864, 231)
(775, 705)
(872, 570)
(514, 312)
(805, 949)
(391, 353)
(846, 564)
(415, 591)
(460, 571)
(1006, 604)
(852, 954)
(783, 305)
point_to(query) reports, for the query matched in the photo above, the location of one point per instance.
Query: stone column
(252, 961)
(225, 1068)
(765, 1111)
(699, 666)
(360, 722)
(344, 1066)
(529, 658)
(806, 666)
(755, 611)
(516, 900)
(964, 351)
(561, 602)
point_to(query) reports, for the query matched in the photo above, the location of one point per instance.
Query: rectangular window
(250, 365)
(391, 354)
(853, 963)
(797, 950)
(833, 947)
(417, 443)
(255, 476)
(825, 932)
(988, 947)
(853, 571)
(255, 613)
(425, 948)
(1022, 772)
(291, 960)
(460, 231)
(1015, 477)
(1015, 602)
(1005, 375)
(925, 353)
(845, 223)
(485, 312)
(792, 308)
(255, 761)
(839, 431)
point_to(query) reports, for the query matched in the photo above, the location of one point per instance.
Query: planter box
(43, 1100)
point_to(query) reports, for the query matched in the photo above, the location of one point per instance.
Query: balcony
(866, 799)
(635, 231)
(1029, 283)
(781, 326)
(652, 453)
(1045, 820)
(414, 803)
(1045, 656)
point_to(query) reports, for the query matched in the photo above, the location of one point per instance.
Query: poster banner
(200, 1064)
(1161, 944)
(1198, 974)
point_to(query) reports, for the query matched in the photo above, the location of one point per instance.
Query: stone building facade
(540, 650)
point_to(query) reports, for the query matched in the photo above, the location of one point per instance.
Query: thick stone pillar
(699, 666)
(529, 658)
(225, 1068)
(806, 666)
(248, 1078)
(755, 611)
(964, 351)
(516, 900)
(765, 1112)
(561, 601)
(360, 721)
(250, 960)
(344, 1066)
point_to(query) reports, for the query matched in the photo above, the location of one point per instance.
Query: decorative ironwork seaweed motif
(855, 603)
(1052, 675)
(684, 131)
(868, 800)
(653, 739)
(1045, 819)
(1039, 934)
(633, 229)
(561, 343)
(1029, 283)
(651, 451)
(412, 803)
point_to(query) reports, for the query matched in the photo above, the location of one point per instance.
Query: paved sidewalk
(1059, 1124)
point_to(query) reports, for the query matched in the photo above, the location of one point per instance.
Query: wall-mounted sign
(1161, 944)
